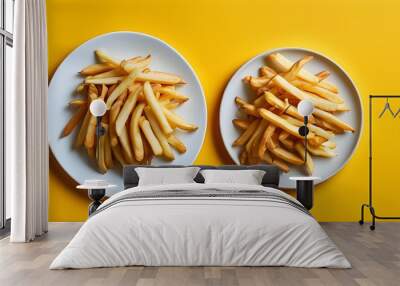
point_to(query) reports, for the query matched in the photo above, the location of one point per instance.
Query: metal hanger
(387, 107)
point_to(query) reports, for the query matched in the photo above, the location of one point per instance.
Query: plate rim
(263, 54)
(162, 42)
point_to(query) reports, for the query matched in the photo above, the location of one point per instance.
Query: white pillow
(164, 176)
(248, 177)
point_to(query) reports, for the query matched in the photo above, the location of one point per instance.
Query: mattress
(201, 225)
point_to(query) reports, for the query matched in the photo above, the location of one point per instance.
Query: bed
(201, 224)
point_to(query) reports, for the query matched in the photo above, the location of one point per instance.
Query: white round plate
(120, 45)
(346, 143)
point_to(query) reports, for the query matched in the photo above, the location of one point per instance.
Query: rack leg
(361, 221)
(372, 210)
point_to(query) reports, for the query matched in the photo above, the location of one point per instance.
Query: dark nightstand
(305, 190)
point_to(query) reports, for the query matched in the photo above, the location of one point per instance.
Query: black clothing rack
(370, 202)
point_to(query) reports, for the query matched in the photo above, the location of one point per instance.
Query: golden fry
(117, 153)
(127, 108)
(150, 136)
(167, 151)
(116, 72)
(287, 156)
(124, 140)
(169, 93)
(74, 121)
(330, 118)
(96, 69)
(245, 136)
(283, 64)
(157, 109)
(255, 137)
(139, 63)
(322, 92)
(265, 139)
(134, 132)
(104, 58)
(78, 102)
(176, 143)
(160, 77)
(320, 151)
(317, 130)
(80, 138)
(101, 163)
(107, 151)
(122, 87)
(241, 123)
(178, 121)
(282, 123)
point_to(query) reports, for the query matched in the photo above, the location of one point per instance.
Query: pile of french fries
(139, 122)
(271, 123)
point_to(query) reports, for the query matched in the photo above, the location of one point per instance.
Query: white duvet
(200, 231)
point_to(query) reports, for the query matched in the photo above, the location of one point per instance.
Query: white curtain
(26, 124)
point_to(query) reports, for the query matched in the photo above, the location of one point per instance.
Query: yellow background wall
(217, 36)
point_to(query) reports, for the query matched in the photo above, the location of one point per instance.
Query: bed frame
(270, 179)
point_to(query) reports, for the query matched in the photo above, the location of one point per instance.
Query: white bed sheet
(200, 231)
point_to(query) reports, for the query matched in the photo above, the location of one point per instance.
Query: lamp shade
(305, 107)
(98, 107)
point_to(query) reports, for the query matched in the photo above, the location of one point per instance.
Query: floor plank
(375, 257)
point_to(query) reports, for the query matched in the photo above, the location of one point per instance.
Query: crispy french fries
(317, 130)
(160, 77)
(301, 95)
(277, 92)
(287, 108)
(282, 123)
(254, 139)
(104, 58)
(286, 141)
(139, 63)
(80, 138)
(139, 122)
(116, 72)
(280, 164)
(74, 121)
(320, 151)
(283, 64)
(245, 136)
(178, 121)
(241, 123)
(330, 118)
(127, 109)
(101, 162)
(117, 153)
(322, 92)
(287, 156)
(77, 102)
(157, 108)
(122, 87)
(167, 151)
(96, 69)
(169, 93)
(126, 147)
(108, 159)
(176, 143)
(134, 132)
(150, 136)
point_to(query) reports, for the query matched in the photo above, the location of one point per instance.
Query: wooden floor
(375, 257)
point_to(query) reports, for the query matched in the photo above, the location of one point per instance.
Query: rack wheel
(372, 227)
(361, 222)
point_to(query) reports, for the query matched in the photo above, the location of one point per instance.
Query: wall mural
(152, 110)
